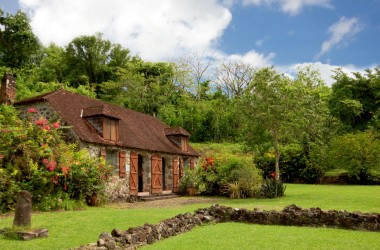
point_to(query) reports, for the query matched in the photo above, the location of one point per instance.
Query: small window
(112, 158)
(110, 129)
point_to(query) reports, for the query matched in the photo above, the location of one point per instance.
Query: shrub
(190, 179)
(297, 165)
(224, 176)
(33, 157)
(358, 153)
(272, 188)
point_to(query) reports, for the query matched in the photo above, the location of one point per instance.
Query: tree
(53, 64)
(358, 153)
(198, 67)
(267, 103)
(233, 77)
(19, 46)
(280, 111)
(87, 56)
(355, 100)
(144, 86)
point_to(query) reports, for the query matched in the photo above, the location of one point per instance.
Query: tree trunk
(277, 154)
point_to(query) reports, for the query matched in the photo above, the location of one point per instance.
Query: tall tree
(198, 66)
(19, 46)
(234, 76)
(280, 110)
(355, 100)
(267, 106)
(53, 64)
(88, 56)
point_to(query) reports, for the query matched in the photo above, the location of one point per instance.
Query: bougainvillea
(34, 157)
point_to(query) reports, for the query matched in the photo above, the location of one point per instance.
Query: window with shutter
(110, 129)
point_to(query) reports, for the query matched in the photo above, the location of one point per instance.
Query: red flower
(210, 161)
(46, 127)
(65, 170)
(32, 110)
(1, 156)
(273, 175)
(41, 122)
(56, 125)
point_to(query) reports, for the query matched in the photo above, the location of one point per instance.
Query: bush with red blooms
(34, 157)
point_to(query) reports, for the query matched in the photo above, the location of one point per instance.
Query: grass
(245, 236)
(74, 228)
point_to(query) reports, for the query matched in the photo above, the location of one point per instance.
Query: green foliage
(190, 179)
(272, 188)
(33, 157)
(299, 163)
(19, 47)
(229, 171)
(358, 153)
(355, 100)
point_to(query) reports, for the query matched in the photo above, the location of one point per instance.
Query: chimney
(8, 89)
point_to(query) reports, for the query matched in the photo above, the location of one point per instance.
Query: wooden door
(175, 175)
(133, 176)
(156, 174)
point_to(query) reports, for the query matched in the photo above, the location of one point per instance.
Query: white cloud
(291, 7)
(253, 58)
(327, 70)
(341, 30)
(153, 29)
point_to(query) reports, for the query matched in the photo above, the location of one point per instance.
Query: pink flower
(45, 161)
(41, 122)
(56, 125)
(1, 156)
(32, 110)
(51, 166)
(46, 127)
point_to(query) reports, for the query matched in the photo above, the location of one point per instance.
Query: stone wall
(117, 189)
(289, 216)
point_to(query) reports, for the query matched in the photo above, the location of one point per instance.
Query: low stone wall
(290, 216)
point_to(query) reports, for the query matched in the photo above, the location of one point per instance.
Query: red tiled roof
(176, 131)
(136, 130)
(99, 110)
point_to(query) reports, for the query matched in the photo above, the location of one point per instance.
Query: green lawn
(75, 228)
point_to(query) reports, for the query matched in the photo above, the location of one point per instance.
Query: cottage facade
(148, 156)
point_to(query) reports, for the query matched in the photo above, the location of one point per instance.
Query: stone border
(290, 216)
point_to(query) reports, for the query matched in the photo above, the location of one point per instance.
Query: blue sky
(283, 33)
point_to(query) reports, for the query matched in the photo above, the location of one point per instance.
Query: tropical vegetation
(293, 128)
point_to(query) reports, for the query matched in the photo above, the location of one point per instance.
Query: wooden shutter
(180, 167)
(103, 153)
(106, 129)
(133, 176)
(192, 164)
(175, 175)
(122, 162)
(113, 129)
(156, 174)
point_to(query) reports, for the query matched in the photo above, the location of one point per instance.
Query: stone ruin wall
(292, 215)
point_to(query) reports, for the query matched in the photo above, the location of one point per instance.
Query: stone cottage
(148, 156)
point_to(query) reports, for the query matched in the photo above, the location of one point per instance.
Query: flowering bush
(234, 176)
(35, 158)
